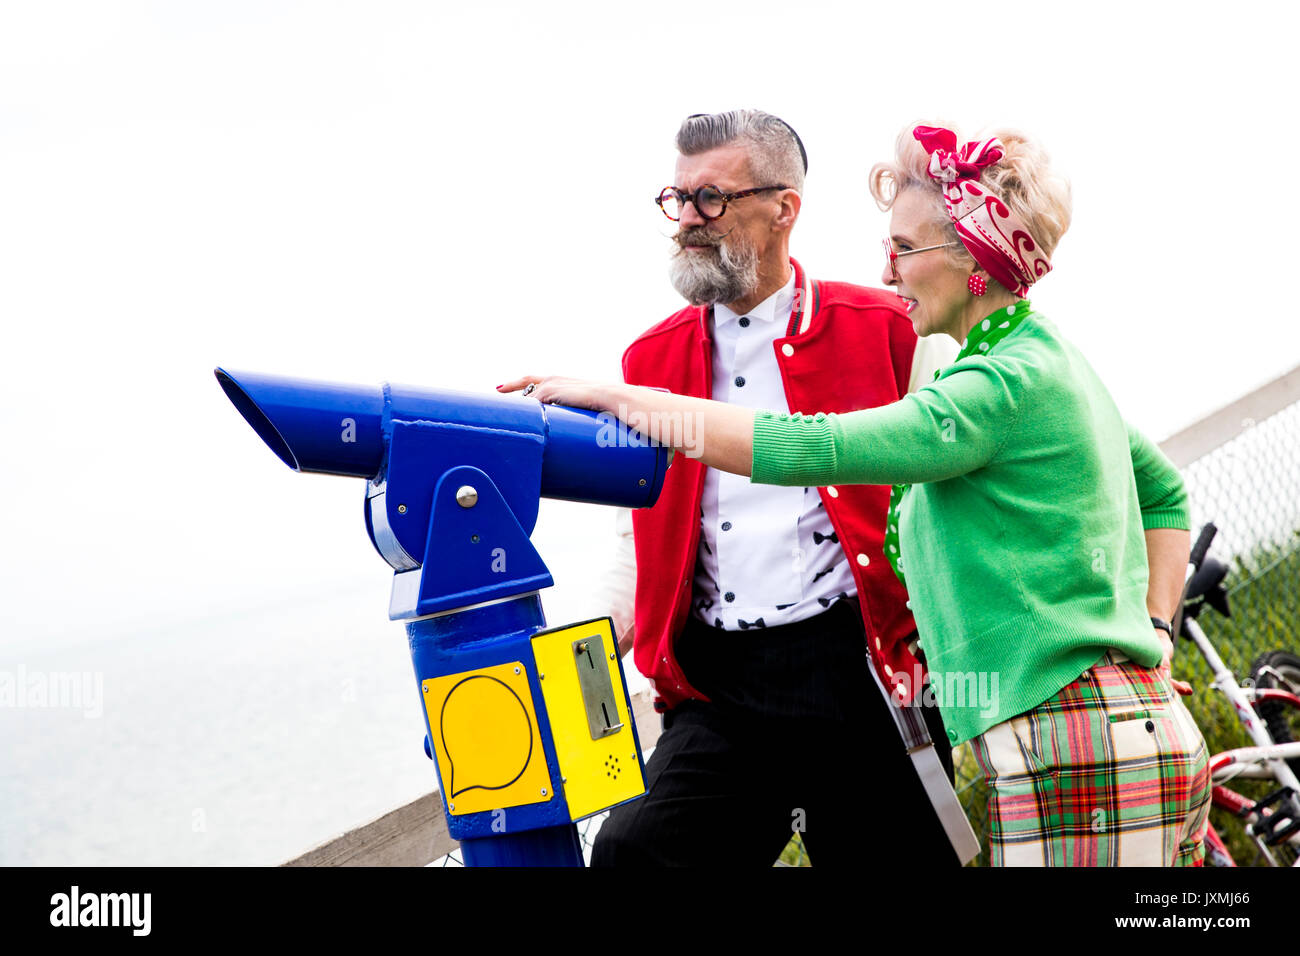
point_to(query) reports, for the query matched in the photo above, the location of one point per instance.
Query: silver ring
(532, 387)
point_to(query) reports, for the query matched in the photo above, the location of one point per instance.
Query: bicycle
(1263, 706)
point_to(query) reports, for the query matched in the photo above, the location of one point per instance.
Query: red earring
(977, 285)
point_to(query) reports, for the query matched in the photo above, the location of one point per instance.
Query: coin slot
(596, 687)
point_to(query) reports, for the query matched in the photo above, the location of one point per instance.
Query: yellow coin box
(484, 728)
(586, 703)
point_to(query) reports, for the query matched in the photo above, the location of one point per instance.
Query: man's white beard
(724, 274)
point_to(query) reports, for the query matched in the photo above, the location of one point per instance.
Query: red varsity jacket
(847, 347)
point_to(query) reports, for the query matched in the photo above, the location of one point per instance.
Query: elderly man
(767, 618)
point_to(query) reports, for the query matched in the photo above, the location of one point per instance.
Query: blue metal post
(479, 637)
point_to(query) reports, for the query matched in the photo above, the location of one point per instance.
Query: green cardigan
(1022, 537)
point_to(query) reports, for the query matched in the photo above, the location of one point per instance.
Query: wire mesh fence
(1250, 488)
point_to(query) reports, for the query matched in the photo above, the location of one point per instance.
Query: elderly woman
(1042, 540)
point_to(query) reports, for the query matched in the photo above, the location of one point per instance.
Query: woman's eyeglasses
(894, 255)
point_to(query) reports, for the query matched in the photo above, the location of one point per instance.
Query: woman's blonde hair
(1023, 179)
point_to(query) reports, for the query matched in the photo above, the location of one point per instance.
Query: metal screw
(451, 806)
(516, 670)
(564, 780)
(641, 482)
(541, 677)
(611, 656)
(543, 791)
(401, 509)
(466, 496)
(474, 538)
(582, 648)
(426, 690)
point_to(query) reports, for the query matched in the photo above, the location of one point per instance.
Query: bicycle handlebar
(1202, 544)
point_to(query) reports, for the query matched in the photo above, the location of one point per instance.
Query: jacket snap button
(832, 491)
(729, 596)
(1151, 728)
(787, 350)
(863, 560)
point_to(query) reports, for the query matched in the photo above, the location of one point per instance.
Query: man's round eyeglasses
(894, 255)
(710, 201)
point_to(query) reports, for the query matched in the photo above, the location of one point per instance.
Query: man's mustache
(699, 236)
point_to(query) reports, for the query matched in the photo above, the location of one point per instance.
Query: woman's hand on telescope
(558, 390)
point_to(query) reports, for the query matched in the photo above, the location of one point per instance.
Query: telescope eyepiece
(311, 426)
(254, 416)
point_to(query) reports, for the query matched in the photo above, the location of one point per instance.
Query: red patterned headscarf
(988, 229)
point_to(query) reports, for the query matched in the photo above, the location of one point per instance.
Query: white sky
(411, 192)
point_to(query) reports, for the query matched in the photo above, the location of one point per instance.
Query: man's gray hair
(776, 156)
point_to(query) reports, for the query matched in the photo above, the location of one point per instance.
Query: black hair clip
(802, 152)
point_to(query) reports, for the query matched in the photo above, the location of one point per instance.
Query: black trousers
(796, 737)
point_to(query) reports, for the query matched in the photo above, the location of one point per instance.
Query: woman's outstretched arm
(720, 435)
(946, 429)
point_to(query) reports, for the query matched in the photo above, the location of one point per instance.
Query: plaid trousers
(1112, 771)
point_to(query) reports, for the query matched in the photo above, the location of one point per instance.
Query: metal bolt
(541, 677)
(564, 780)
(426, 690)
(641, 482)
(401, 509)
(451, 806)
(466, 496)
(516, 670)
(474, 538)
(582, 648)
(611, 655)
(543, 791)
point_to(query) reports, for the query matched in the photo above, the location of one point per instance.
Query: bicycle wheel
(1279, 669)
